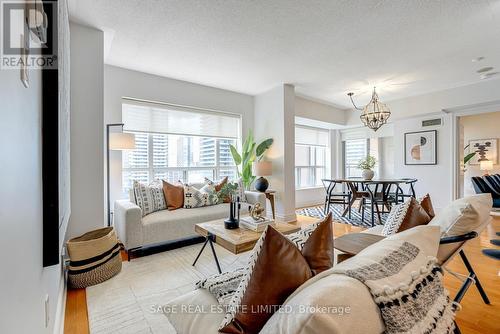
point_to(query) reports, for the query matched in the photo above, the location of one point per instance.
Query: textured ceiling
(325, 48)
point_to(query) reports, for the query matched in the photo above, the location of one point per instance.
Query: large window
(354, 151)
(311, 156)
(165, 153)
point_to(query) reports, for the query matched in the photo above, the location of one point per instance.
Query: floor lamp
(116, 141)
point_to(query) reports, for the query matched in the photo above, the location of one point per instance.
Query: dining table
(379, 190)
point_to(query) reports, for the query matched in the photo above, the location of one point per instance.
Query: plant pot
(368, 174)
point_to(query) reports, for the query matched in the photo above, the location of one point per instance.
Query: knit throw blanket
(414, 302)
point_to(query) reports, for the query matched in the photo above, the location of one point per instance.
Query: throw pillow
(194, 198)
(277, 266)
(174, 195)
(150, 197)
(276, 269)
(471, 213)
(218, 186)
(426, 203)
(405, 216)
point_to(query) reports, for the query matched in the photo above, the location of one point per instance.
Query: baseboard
(61, 307)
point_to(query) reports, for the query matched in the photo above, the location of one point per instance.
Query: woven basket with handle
(94, 257)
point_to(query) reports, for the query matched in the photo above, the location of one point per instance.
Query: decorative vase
(233, 221)
(261, 184)
(368, 174)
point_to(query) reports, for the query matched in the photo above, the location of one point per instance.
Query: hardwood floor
(475, 317)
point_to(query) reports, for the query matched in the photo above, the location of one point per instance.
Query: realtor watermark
(28, 35)
(338, 310)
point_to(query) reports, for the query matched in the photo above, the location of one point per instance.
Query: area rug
(337, 210)
(129, 302)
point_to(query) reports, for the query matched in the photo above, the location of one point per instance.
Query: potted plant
(249, 152)
(366, 165)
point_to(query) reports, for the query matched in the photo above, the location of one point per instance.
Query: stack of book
(255, 225)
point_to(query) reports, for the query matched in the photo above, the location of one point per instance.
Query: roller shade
(176, 120)
(311, 136)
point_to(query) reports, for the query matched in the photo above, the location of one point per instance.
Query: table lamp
(262, 168)
(486, 165)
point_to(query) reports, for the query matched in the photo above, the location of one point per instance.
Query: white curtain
(177, 120)
(311, 136)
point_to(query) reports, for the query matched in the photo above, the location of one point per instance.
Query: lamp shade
(262, 168)
(121, 141)
(486, 165)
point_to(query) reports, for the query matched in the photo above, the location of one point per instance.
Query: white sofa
(135, 231)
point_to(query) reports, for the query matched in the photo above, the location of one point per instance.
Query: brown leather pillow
(318, 249)
(174, 195)
(415, 216)
(426, 203)
(280, 268)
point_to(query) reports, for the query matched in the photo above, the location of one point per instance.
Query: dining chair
(401, 195)
(333, 197)
(363, 195)
(380, 197)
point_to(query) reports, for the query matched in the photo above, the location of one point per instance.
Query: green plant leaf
(263, 147)
(468, 157)
(235, 154)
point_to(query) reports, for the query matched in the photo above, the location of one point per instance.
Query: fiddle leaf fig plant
(250, 151)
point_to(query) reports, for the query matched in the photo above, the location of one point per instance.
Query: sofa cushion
(167, 225)
(328, 303)
(174, 194)
(195, 198)
(464, 215)
(205, 318)
(149, 197)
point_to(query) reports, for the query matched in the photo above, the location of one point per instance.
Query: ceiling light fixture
(375, 113)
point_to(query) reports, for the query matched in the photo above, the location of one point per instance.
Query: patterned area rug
(337, 210)
(127, 302)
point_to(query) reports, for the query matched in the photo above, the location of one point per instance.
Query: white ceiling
(325, 48)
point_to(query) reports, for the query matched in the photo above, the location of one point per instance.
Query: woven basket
(94, 257)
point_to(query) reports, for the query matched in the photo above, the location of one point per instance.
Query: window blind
(355, 150)
(311, 136)
(177, 120)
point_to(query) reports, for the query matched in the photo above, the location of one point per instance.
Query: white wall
(87, 146)
(275, 118)
(23, 280)
(320, 115)
(319, 111)
(120, 82)
(482, 126)
(437, 180)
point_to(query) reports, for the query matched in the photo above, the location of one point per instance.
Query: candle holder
(233, 222)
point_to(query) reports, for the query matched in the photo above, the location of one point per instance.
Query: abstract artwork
(421, 148)
(486, 149)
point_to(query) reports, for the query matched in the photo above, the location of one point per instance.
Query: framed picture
(421, 148)
(486, 149)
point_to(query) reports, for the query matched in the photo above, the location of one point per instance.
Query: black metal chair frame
(472, 276)
(332, 197)
(400, 194)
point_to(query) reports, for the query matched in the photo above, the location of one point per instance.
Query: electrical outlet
(47, 319)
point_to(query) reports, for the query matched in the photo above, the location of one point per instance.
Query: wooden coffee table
(236, 241)
(353, 243)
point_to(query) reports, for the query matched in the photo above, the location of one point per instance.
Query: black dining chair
(401, 195)
(332, 197)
